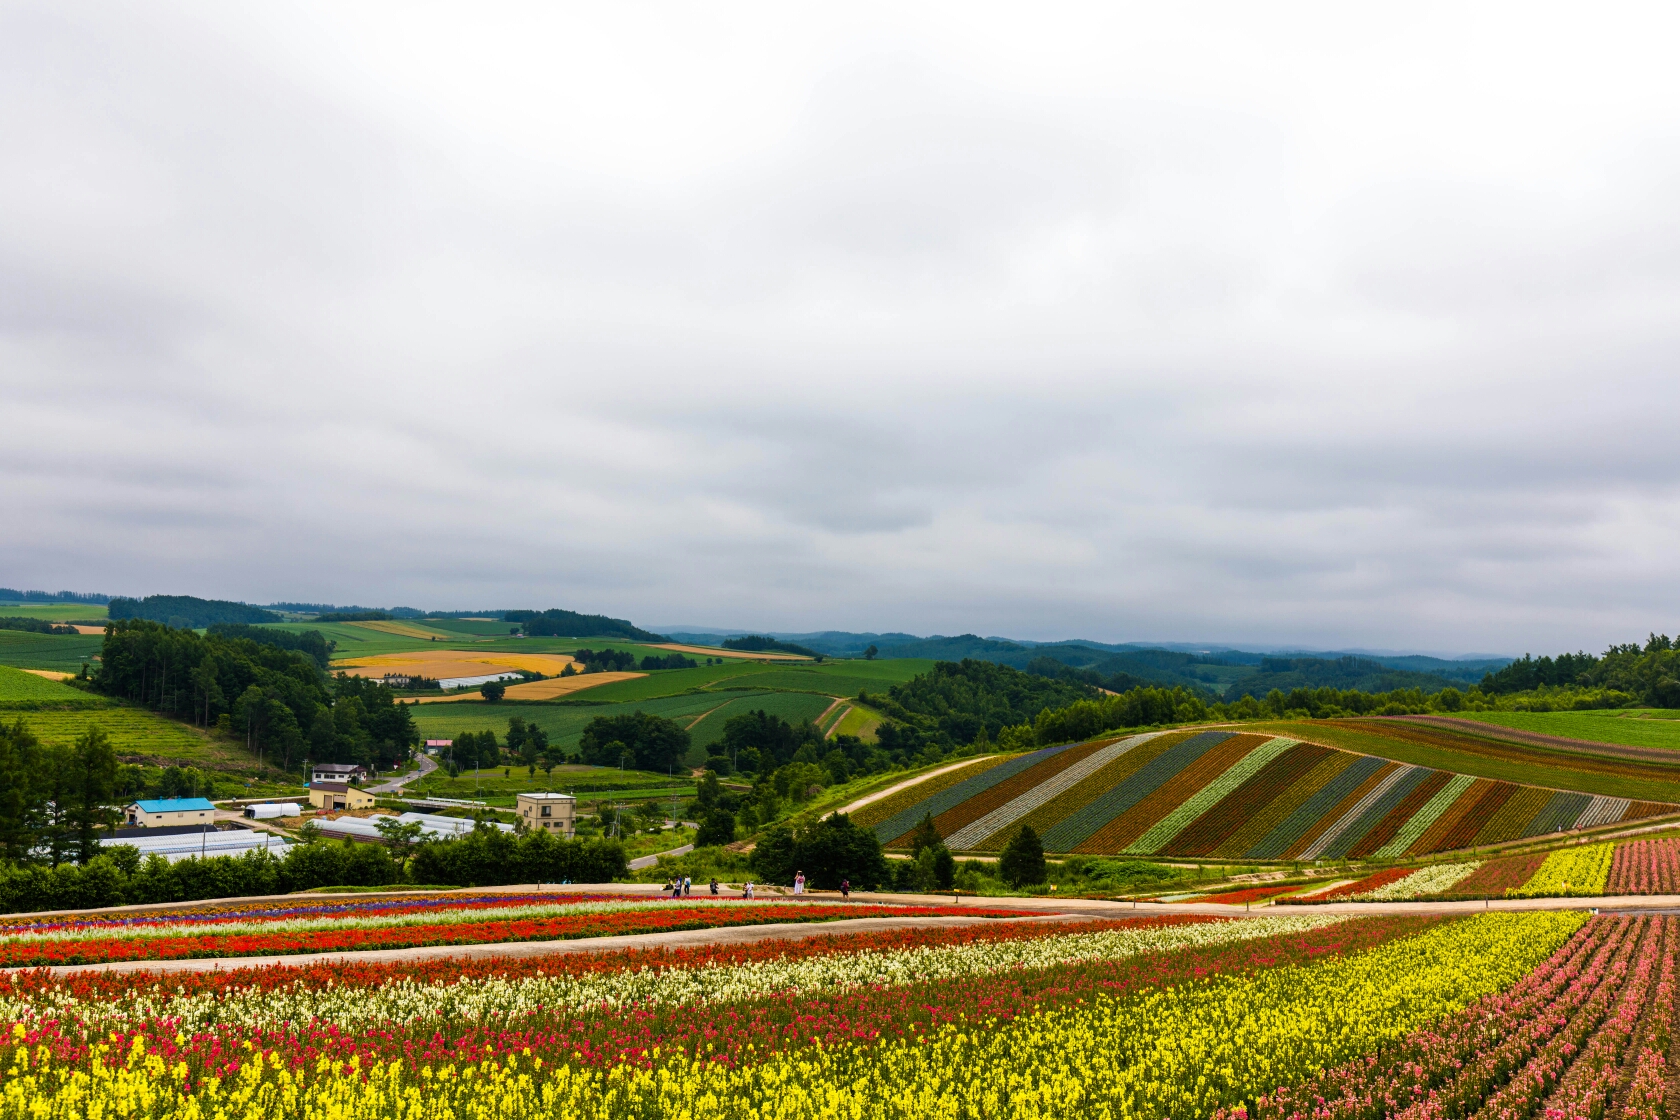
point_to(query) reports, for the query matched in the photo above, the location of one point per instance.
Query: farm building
(169, 811)
(556, 812)
(273, 810)
(336, 772)
(338, 795)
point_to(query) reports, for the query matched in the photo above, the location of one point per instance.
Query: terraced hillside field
(1225, 794)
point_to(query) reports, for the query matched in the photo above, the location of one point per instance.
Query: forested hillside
(1650, 672)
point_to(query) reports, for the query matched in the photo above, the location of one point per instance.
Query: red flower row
(558, 928)
(743, 1032)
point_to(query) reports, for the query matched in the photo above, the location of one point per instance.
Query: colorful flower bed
(1645, 867)
(1578, 872)
(1141, 1019)
(1591, 1025)
(165, 939)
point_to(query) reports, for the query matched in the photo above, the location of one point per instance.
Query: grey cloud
(898, 323)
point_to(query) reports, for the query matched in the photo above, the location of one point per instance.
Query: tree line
(1648, 672)
(118, 875)
(278, 700)
(570, 624)
(35, 626)
(187, 611)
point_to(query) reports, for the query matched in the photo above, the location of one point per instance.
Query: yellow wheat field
(441, 663)
(544, 690)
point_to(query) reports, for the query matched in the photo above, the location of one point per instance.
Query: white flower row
(1007, 814)
(1425, 880)
(507, 1000)
(1208, 796)
(1426, 816)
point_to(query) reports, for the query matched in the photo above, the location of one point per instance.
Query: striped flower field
(1138, 1019)
(1229, 795)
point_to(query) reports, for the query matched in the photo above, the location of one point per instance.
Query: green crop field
(135, 734)
(1467, 755)
(17, 685)
(857, 720)
(64, 652)
(795, 707)
(55, 612)
(589, 783)
(564, 722)
(1632, 728)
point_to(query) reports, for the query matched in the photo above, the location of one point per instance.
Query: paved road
(427, 765)
(640, 862)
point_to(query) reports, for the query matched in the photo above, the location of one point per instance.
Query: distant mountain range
(1225, 672)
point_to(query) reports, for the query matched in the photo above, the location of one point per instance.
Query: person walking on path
(799, 884)
(688, 886)
(714, 885)
(749, 889)
(845, 888)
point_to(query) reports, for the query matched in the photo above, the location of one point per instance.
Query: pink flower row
(1450, 1069)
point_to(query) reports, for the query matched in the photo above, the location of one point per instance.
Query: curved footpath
(1027, 909)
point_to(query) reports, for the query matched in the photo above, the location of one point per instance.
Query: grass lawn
(1605, 776)
(64, 652)
(17, 685)
(54, 612)
(859, 721)
(1643, 727)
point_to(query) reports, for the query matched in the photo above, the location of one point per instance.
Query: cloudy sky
(1293, 324)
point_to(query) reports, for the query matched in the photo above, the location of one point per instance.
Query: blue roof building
(169, 811)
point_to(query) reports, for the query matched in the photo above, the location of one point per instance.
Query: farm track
(1501, 733)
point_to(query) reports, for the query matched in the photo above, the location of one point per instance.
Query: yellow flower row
(1580, 872)
(1175, 1052)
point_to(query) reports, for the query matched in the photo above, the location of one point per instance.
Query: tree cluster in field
(279, 701)
(1647, 674)
(669, 661)
(489, 857)
(956, 704)
(187, 612)
(354, 616)
(636, 741)
(755, 643)
(605, 660)
(571, 624)
(311, 642)
(35, 626)
(829, 851)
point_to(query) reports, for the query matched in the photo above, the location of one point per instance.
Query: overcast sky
(1331, 325)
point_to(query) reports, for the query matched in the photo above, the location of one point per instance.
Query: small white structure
(447, 683)
(336, 772)
(271, 811)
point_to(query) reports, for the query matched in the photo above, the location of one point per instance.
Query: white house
(336, 772)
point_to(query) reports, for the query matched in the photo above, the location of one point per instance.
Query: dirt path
(838, 700)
